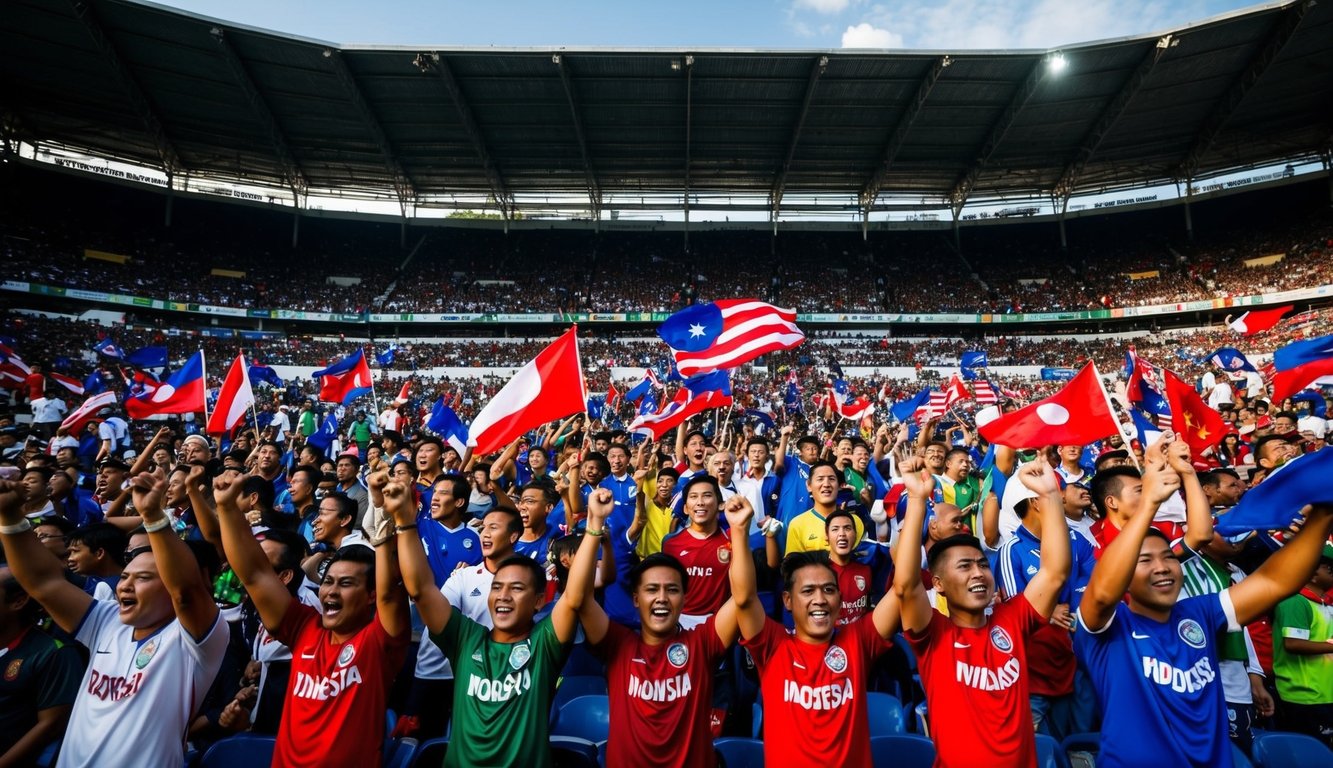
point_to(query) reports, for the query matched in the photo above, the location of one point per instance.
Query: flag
(1191, 418)
(1277, 501)
(791, 401)
(1145, 429)
(725, 334)
(549, 387)
(386, 357)
(68, 382)
(262, 374)
(973, 359)
(1145, 389)
(7, 350)
(403, 393)
(324, 436)
(10, 376)
(235, 396)
(94, 384)
(182, 392)
(87, 411)
(955, 392)
(1076, 415)
(445, 423)
(1318, 407)
(1298, 364)
(1231, 359)
(647, 405)
(611, 394)
(1258, 320)
(844, 405)
(935, 406)
(645, 385)
(984, 393)
(594, 407)
(148, 357)
(108, 348)
(762, 420)
(904, 409)
(138, 383)
(696, 395)
(345, 380)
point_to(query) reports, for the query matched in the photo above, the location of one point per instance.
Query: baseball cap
(1015, 491)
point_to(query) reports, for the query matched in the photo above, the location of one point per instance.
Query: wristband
(158, 525)
(402, 528)
(598, 532)
(19, 527)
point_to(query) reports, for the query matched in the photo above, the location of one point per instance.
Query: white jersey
(137, 697)
(468, 590)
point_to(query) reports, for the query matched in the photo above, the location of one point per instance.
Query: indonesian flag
(1191, 418)
(68, 382)
(79, 417)
(403, 393)
(1076, 415)
(549, 387)
(182, 392)
(234, 398)
(1258, 320)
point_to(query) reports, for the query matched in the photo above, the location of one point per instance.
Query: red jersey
(854, 584)
(1051, 663)
(337, 693)
(815, 695)
(661, 696)
(35, 385)
(1104, 532)
(977, 682)
(708, 562)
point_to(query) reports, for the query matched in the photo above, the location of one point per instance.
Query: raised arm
(39, 572)
(1286, 570)
(199, 505)
(907, 586)
(1198, 513)
(1043, 589)
(780, 456)
(417, 577)
(391, 604)
(573, 499)
(246, 556)
(743, 611)
(576, 604)
(1114, 570)
(504, 466)
(191, 596)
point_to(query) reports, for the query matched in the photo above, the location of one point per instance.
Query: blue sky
(941, 24)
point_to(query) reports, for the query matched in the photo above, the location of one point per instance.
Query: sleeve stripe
(1079, 615)
(1229, 610)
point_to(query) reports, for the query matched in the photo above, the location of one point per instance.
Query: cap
(1118, 453)
(196, 438)
(1015, 491)
(114, 463)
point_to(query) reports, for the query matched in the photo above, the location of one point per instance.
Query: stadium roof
(826, 129)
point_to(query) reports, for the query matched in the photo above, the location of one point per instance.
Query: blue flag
(148, 357)
(1276, 502)
(1318, 406)
(323, 438)
(109, 348)
(445, 423)
(791, 401)
(969, 374)
(975, 358)
(595, 406)
(1301, 353)
(386, 357)
(763, 420)
(263, 373)
(903, 410)
(93, 384)
(1146, 430)
(640, 390)
(647, 405)
(1231, 359)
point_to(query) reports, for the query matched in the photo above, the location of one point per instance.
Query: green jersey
(502, 694)
(361, 431)
(1303, 679)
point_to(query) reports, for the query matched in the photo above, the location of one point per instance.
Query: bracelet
(158, 525)
(402, 528)
(19, 527)
(591, 532)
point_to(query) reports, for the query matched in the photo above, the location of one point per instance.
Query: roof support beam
(963, 188)
(1064, 187)
(436, 63)
(1231, 100)
(291, 169)
(166, 151)
(780, 182)
(689, 120)
(870, 192)
(403, 185)
(594, 192)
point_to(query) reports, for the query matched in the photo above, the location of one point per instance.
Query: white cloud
(864, 35)
(824, 6)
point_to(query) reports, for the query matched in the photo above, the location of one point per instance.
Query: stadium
(175, 187)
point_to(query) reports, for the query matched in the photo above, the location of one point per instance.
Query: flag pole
(203, 372)
(254, 414)
(1111, 410)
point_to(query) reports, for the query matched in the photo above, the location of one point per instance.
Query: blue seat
(1049, 753)
(400, 753)
(243, 749)
(757, 720)
(740, 753)
(902, 751)
(1274, 750)
(886, 714)
(430, 754)
(573, 687)
(1081, 749)
(922, 724)
(573, 752)
(582, 662)
(585, 717)
(1239, 758)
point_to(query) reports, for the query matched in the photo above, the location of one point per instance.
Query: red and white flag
(403, 395)
(235, 396)
(80, 416)
(549, 387)
(1076, 415)
(68, 382)
(724, 334)
(1258, 320)
(955, 392)
(935, 408)
(984, 393)
(853, 409)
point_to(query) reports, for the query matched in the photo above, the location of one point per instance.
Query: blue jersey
(538, 548)
(446, 548)
(1158, 684)
(617, 601)
(794, 497)
(1019, 560)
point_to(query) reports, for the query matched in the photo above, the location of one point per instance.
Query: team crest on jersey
(860, 582)
(1000, 639)
(678, 655)
(1190, 631)
(346, 655)
(467, 543)
(724, 555)
(12, 671)
(835, 659)
(145, 654)
(519, 655)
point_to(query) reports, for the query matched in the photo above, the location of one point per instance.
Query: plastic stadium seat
(922, 723)
(243, 749)
(573, 752)
(1239, 758)
(585, 717)
(430, 754)
(757, 720)
(1081, 749)
(902, 751)
(886, 715)
(575, 686)
(740, 753)
(400, 753)
(582, 662)
(1280, 750)
(1049, 753)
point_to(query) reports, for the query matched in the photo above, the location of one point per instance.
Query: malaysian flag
(984, 393)
(725, 334)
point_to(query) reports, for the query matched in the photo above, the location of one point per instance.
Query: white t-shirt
(281, 426)
(390, 419)
(137, 697)
(468, 590)
(1221, 395)
(48, 409)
